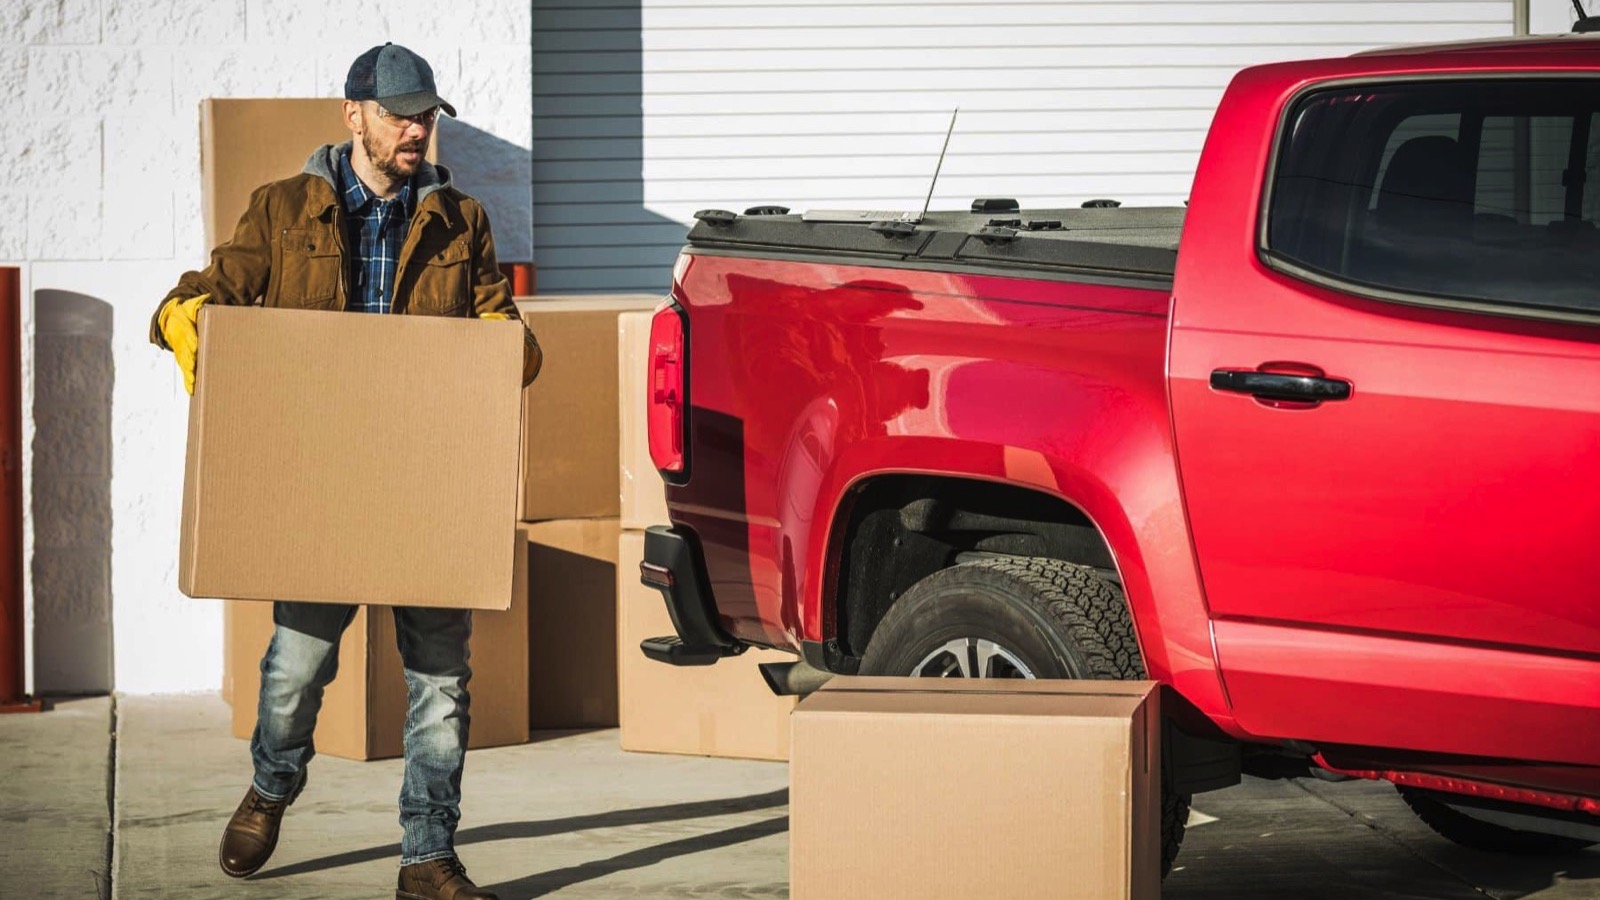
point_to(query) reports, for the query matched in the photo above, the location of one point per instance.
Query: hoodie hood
(324, 163)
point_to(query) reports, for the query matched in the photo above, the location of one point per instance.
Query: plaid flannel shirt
(377, 229)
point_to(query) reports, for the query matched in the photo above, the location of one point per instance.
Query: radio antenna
(940, 164)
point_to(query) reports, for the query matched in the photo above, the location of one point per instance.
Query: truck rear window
(1474, 190)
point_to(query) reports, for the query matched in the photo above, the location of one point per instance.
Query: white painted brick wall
(101, 100)
(50, 22)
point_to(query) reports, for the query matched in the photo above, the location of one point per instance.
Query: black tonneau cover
(1140, 244)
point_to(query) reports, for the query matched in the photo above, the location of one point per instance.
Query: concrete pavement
(55, 811)
(573, 816)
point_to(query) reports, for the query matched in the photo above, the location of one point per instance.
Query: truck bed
(1113, 246)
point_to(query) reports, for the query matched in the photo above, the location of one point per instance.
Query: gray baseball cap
(397, 78)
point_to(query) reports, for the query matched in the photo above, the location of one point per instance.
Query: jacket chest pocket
(443, 287)
(308, 269)
(444, 281)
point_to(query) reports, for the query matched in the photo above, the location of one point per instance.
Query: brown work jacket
(289, 251)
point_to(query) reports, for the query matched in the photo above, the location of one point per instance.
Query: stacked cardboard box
(570, 500)
(246, 143)
(990, 788)
(570, 414)
(572, 663)
(720, 710)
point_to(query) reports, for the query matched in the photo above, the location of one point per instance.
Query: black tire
(1051, 618)
(1470, 832)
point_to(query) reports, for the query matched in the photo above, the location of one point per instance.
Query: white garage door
(646, 112)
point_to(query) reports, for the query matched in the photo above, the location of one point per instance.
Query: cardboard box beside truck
(986, 787)
(721, 710)
(644, 493)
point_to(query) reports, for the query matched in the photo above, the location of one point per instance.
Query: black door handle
(1276, 386)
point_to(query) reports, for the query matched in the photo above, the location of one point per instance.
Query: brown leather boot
(439, 879)
(252, 833)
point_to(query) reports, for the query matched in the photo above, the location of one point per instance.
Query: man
(369, 226)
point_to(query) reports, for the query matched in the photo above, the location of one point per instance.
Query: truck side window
(1472, 190)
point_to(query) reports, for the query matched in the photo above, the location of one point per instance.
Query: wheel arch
(894, 529)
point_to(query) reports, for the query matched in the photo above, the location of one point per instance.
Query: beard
(389, 163)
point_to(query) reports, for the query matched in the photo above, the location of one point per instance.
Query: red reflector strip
(1489, 790)
(655, 576)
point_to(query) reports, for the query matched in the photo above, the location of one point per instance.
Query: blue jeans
(302, 659)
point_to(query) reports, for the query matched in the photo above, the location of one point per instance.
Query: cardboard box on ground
(991, 788)
(364, 709)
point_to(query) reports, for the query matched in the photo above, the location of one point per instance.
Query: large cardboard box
(570, 414)
(721, 710)
(352, 459)
(989, 788)
(246, 143)
(572, 623)
(364, 709)
(644, 493)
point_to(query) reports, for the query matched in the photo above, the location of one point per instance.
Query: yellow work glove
(532, 358)
(179, 328)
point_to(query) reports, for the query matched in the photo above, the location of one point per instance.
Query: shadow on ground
(549, 882)
(614, 819)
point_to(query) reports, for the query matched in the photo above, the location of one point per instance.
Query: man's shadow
(548, 881)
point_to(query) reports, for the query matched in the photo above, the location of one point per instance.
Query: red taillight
(668, 400)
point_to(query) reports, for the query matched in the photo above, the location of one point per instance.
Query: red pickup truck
(1319, 451)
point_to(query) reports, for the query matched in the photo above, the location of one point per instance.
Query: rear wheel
(1479, 835)
(1018, 617)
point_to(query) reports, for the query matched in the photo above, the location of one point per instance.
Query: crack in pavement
(1362, 818)
(107, 888)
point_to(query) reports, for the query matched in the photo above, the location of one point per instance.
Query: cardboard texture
(572, 623)
(245, 144)
(721, 710)
(990, 788)
(364, 709)
(570, 414)
(352, 459)
(644, 493)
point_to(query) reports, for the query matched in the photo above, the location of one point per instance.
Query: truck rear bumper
(673, 564)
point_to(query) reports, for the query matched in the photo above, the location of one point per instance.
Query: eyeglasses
(425, 118)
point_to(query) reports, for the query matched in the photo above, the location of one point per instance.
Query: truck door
(1387, 414)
